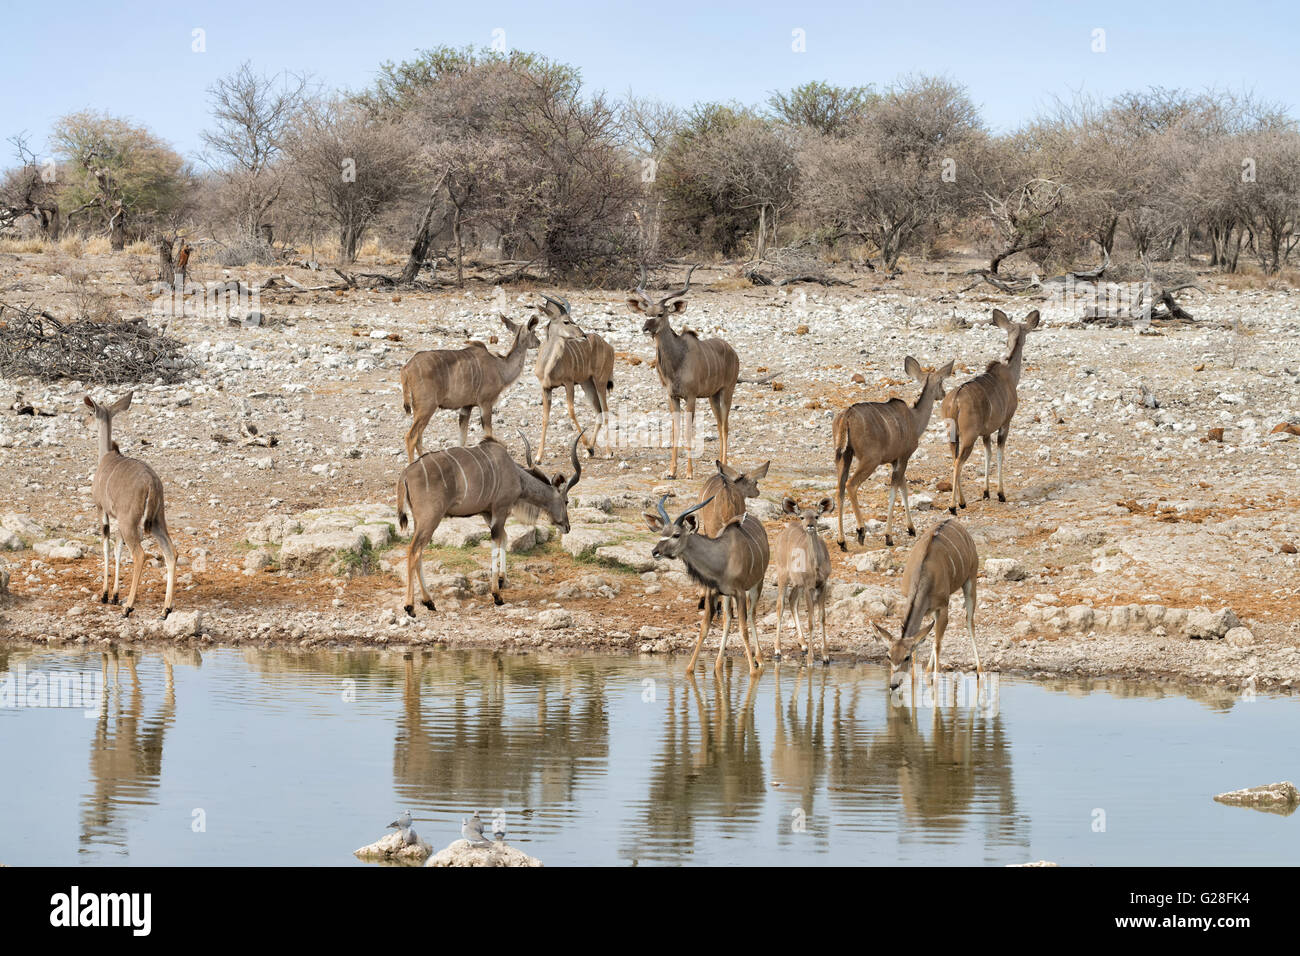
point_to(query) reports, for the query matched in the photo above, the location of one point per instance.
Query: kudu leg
(854, 483)
(689, 441)
(415, 434)
(821, 611)
(588, 441)
(959, 455)
(988, 457)
(900, 479)
(809, 598)
(1002, 447)
(842, 466)
(780, 616)
(721, 414)
(940, 625)
(743, 613)
(137, 564)
(415, 569)
(889, 516)
(968, 590)
(103, 534)
(117, 570)
(752, 604)
(795, 594)
(727, 615)
(724, 424)
(705, 621)
(498, 559)
(546, 421)
(674, 413)
(169, 558)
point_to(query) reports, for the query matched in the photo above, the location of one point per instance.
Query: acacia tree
(907, 166)
(349, 165)
(752, 164)
(252, 114)
(822, 107)
(118, 172)
(29, 189)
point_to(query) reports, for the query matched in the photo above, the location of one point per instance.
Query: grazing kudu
(943, 560)
(568, 357)
(803, 566)
(484, 480)
(985, 405)
(880, 433)
(731, 564)
(689, 367)
(129, 492)
(463, 379)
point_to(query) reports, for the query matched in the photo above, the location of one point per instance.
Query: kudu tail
(406, 393)
(843, 449)
(401, 503)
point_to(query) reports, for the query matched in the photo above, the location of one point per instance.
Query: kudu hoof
(496, 599)
(1001, 496)
(862, 536)
(952, 510)
(826, 662)
(117, 599)
(428, 604)
(889, 541)
(700, 605)
(409, 609)
(103, 598)
(128, 612)
(166, 611)
(912, 532)
(776, 656)
(986, 496)
(843, 547)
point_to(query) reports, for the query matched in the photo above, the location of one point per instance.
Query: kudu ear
(1001, 321)
(889, 638)
(677, 306)
(635, 304)
(789, 506)
(946, 371)
(913, 369)
(726, 471)
(507, 323)
(90, 403)
(559, 481)
(825, 506)
(761, 471)
(1031, 320)
(653, 521)
(532, 323)
(122, 404)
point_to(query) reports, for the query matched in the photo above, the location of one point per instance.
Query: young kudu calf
(943, 560)
(880, 433)
(803, 566)
(463, 379)
(690, 368)
(483, 480)
(129, 492)
(985, 405)
(731, 564)
(566, 360)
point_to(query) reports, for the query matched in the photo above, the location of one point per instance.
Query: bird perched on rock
(471, 828)
(403, 825)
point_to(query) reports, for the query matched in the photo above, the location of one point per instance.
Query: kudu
(484, 480)
(129, 492)
(724, 494)
(463, 379)
(943, 560)
(569, 357)
(732, 564)
(880, 433)
(689, 367)
(803, 566)
(985, 405)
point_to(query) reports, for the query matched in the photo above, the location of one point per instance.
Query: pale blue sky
(134, 59)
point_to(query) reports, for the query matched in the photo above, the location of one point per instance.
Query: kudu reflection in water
(479, 737)
(959, 773)
(708, 766)
(127, 746)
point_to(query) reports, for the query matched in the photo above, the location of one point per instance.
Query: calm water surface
(289, 757)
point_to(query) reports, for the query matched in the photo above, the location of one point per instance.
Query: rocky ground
(1136, 541)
